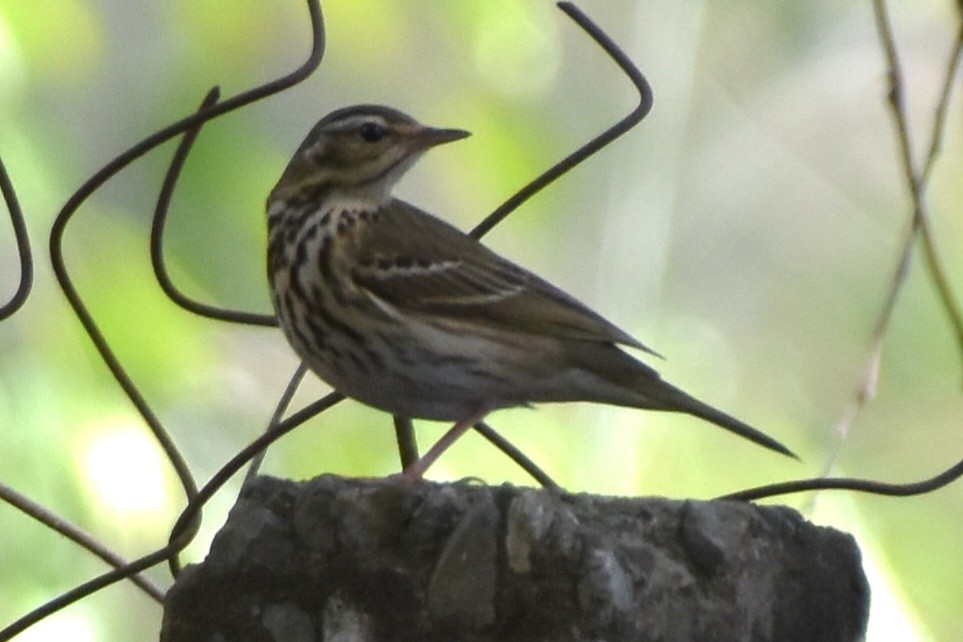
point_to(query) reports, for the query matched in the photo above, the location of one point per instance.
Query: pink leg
(417, 468)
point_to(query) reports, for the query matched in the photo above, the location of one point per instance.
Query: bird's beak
(429, 136)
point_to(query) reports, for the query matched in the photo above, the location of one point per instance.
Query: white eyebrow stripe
(358, 120)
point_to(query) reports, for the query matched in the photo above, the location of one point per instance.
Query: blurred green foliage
(747, 230)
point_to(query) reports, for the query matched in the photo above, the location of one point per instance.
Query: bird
(403, 312)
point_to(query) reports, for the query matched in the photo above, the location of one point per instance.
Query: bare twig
(917, 180)
(919, 224)
(942, 107)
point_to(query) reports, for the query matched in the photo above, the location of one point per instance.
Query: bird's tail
(668, 397)
(628, 382)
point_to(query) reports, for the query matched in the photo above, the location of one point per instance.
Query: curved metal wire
(886, 489)
(157, 238)
(634, 118)
(62, 274)
(108, 171)
(180, 535)
(23, 246)
(283, 403)
(77, 535)
(81, 591)
(248, 454)
(515, 454)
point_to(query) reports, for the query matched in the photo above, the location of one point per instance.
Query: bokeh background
(747, 229)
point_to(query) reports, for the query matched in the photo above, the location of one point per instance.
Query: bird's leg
(407, 443)
(417, 468)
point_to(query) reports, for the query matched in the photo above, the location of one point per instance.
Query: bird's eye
(372, 131)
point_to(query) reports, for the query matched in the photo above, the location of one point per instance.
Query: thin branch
(942, 107)
(23, 246)
(916, 181)
(919, 224)
(78, 536)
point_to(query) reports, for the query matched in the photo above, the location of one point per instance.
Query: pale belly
(429, 373)
(425, 380)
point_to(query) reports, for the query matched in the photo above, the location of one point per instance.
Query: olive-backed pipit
(403, 312)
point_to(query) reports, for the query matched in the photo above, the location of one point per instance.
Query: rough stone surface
(382, 560)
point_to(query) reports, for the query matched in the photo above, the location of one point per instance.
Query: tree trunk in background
(382, 560)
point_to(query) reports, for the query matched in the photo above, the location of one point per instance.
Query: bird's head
(358, 153)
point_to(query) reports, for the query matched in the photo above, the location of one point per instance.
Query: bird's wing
(422, 266)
